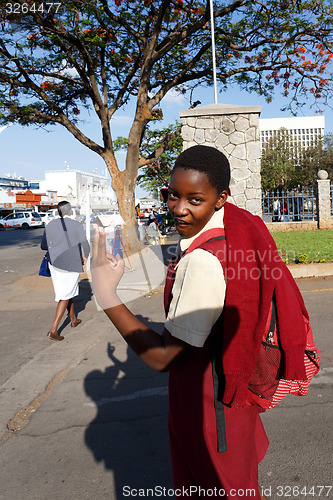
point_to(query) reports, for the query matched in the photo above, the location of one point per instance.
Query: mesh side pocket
(267, 372)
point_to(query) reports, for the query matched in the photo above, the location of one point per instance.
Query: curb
(311, 270)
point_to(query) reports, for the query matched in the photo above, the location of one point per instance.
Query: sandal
(76, 323)
(54, 336)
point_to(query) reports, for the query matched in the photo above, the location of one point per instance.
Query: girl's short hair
(208, 160)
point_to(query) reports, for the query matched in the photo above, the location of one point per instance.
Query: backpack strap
(204, 241)
(271, 334)
(207, 241)
(206, 237)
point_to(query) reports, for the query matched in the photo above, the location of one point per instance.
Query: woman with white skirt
(64, 238)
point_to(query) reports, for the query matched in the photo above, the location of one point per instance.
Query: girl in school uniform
(211, 337)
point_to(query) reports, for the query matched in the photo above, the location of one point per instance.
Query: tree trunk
(123, 182)
(124, 189)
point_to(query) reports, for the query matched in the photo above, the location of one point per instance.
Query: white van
(53, 212)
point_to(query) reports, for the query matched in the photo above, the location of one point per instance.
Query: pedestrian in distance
(284, 211)
(213, 328)
(276, 211)
(296, 203)
(64, 239)
(151, 218)
(159, 222)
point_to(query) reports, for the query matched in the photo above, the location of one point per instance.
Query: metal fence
(287, 206)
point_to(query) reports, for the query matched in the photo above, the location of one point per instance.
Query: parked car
(22, 220)
(53, 212)
(46, 217)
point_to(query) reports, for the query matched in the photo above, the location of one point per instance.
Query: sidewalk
(91, 419)
(311, 270)
(93, 413)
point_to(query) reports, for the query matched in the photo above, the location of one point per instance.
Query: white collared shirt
(198, 291)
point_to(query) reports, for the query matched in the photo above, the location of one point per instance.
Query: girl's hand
(106, 271)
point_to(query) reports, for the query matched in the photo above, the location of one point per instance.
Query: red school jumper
(192, 417)
(198, 468)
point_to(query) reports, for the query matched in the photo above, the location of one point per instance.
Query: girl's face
(192, 200)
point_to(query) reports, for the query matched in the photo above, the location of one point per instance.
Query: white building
(74, 185)
(301, 131)
(9, 185)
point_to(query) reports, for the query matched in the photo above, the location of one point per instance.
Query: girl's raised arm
(160, 352)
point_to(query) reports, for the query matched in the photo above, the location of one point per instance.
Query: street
(91, 418)
(25, 299)
(19, 249)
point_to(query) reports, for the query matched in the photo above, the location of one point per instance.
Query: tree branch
(165, 144)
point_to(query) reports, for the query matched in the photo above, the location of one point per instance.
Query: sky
(29, 152)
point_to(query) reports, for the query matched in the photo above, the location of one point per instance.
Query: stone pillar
(234, 130)
(324, 201)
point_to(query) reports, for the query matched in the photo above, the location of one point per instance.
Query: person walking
(64, 239)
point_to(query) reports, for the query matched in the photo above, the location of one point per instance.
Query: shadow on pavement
(129, 434)
(130, 431)
(21, 237)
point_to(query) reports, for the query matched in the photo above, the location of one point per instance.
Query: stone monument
(234, 130)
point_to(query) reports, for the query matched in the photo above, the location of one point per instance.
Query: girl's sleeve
(198, 297)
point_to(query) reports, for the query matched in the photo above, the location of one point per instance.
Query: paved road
(27, 304)
(26, 300)
(101, 422)
(20, 251)
(22, 312)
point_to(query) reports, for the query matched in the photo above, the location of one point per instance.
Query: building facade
(9, 186)
(298, 131)
(74, 186)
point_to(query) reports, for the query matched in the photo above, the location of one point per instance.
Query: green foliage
(277, 162)
(57, 59)
(156, 173)
(100, 52)
(286, 166)
(302, 258)
(327, 158)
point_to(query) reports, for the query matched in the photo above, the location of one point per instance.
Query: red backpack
(266, 386)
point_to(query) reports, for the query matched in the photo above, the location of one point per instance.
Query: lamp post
(87, 210)
(213, 48)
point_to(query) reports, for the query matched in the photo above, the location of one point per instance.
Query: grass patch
(302, 247)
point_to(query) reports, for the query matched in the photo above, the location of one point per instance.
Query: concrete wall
(234, 130)
(275, 227)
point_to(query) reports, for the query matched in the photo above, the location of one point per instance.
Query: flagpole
(213, 48)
